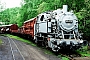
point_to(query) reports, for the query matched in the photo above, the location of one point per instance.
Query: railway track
(16, 53)
(20, 51)
(34, 55)
(71, 55)
(74, 56)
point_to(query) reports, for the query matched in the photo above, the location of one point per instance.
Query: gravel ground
(22, 51)
(5, 53)
(82, 58)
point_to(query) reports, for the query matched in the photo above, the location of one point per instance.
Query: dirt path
(21, 51)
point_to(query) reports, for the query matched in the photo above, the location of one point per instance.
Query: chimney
(65, 8)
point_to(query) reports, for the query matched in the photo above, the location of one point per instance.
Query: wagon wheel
(46, 43)
(39, 43)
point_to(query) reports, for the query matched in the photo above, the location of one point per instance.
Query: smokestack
(65, 8)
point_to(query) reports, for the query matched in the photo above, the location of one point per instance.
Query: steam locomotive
(56, 29)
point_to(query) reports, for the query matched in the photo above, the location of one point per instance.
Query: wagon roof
(30, 20)
(6, 25)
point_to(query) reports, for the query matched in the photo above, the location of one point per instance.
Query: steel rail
(17, 49)
(11, 49)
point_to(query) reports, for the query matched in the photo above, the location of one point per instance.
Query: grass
(21, 39)
(64, 58)
(48, 51)
(84, 51)
(0, 41)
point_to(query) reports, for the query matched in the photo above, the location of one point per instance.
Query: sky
(11, 3)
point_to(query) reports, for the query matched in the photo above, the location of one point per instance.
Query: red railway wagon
(28, 27)
(9, 28)
(14, 28)
(5, 28)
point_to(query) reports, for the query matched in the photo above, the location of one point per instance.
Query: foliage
(10, 15)
(43, 7)
(31, 8)
(84, 20)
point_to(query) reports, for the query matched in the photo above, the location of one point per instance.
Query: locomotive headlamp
(60, 36)
(81, 41)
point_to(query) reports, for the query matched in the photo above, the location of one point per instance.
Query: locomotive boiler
(58, 29)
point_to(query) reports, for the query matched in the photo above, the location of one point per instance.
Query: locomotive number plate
(69, 21)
